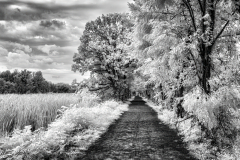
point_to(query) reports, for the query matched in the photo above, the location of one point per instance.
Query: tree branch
(219, 34)
(228, 35)
(97, 89)
(201, 7)
(191, 13)
(221, 31)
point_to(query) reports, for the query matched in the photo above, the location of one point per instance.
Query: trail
(138, 135)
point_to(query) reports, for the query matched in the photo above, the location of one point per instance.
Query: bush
(210, 125)
(215, 114)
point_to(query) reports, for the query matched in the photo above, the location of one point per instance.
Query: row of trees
(176, 45)
(29, 82)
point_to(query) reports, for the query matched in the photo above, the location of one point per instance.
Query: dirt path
(138, 135)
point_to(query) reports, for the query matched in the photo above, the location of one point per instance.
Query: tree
(195, 36)
(23, 82)
(2, 85)
(52, 87)
(63, 88)
(183, 44)
(104, 53)
(39, 83)
(9, 87)
(7, 76)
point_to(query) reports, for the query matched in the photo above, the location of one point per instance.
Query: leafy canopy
(104, 52)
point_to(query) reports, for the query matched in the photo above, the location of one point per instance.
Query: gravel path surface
(138, 135)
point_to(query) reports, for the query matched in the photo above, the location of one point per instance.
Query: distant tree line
(25, 82)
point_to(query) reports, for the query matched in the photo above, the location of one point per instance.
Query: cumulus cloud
(19, 59)
(32, 34)
(45, 61)
(53, 24)
(13, 47)
(49, 49)
(25, 48)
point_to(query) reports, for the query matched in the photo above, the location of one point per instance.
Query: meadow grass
(37, 110)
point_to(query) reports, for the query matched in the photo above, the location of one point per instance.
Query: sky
(43, 35)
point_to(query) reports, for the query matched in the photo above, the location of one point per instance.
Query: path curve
(138, 135)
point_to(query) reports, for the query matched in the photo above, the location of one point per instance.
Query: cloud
(13, 46)
(3, 51)
(56, 77)
(19, 59)
(53, 24)
(32, 34)
(25, 48)
(3, 68)
(65, 76)
(49, 49)
(45, 61)
(111, 6)
(29, 10)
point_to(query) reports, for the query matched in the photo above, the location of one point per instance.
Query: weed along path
(138, 135)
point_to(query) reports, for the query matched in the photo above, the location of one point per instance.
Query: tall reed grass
(69, 135)
(37, 110)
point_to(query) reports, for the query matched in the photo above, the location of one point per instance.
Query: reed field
(37, 110)
(76, 127)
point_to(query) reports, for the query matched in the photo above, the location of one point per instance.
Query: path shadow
(138, 101)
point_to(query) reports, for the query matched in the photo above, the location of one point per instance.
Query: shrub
(215, 114)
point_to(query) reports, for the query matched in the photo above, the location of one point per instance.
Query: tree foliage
(103, 52)
(191, 41)
(189, 52)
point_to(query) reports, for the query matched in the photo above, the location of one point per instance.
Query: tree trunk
(206, 47)
(206, 73)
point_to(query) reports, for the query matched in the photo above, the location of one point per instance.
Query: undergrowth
(210, 125)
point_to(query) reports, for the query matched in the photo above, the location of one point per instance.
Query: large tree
(194, 38)
(183, 44)
(103, 52)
